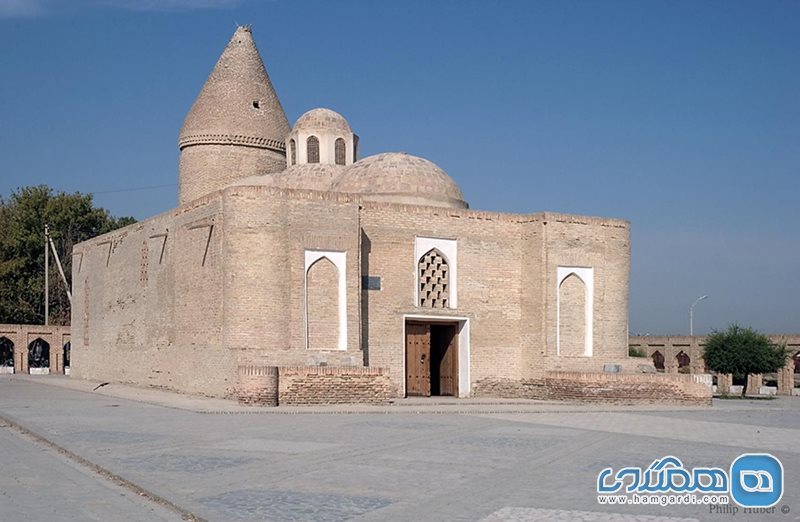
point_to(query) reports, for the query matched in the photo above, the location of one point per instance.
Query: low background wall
(22, 335)
(786, 380)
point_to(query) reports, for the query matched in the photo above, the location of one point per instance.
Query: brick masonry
(309, 385)
(602, 387)
(323, 385)
(225, 287)
(258, 385)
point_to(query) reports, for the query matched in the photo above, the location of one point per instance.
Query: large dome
(310, 176)
(398, 177)
(322, 119)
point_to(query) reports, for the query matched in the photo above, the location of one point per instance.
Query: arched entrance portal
(6, 355)
(658, 360)
(39, 356)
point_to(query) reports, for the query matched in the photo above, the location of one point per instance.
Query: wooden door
(418, 359)
(448, 370)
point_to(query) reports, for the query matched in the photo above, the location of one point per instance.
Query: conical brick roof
(237, 104)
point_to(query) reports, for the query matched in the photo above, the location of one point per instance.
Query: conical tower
(236, 127)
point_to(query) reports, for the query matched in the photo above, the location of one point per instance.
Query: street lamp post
(691, 313)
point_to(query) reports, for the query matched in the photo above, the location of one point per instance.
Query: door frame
(462, 327)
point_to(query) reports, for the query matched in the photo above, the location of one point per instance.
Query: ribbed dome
(322, 119)
(310, 176)
(237, 104)
(398, 177)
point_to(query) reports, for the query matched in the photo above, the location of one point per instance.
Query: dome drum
(321, 136)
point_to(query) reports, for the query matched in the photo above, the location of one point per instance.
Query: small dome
(309, 176)
(322, 119)
(398, 177)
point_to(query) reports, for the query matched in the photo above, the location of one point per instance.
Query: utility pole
(58, 265)
(46, 274)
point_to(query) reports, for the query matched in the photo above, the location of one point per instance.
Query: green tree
(743, 351)
(72, 218)
(633, 351)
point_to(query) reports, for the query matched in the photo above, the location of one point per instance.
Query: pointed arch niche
(574, 311)
(6, 355)
(325, 300)
(447, 251)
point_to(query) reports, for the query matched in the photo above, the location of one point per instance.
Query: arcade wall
(19, 339)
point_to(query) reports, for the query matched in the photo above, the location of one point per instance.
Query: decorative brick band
(258, 371)
(617, 377)
(232, 139)
(330, 370)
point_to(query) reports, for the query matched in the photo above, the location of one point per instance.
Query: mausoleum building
(295, 270)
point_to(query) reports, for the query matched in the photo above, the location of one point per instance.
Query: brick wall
(604, 245)
(489, 281)
(207, 168)
(258, 385)
(147, 305)
(601, 388)
(308, 385)
(329, 385)
(627, 388)
(267, 234)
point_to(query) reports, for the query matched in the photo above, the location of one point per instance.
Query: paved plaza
(122, 453)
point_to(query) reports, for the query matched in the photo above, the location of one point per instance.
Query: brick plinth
(786, 378)
(258, 385)
(305, 385)
(601, 388)
(510, 389)
(724, 383)
(754, 383)
(301, 385)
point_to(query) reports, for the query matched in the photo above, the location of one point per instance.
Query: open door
(444, 359)
(418, 359)
(431, 359)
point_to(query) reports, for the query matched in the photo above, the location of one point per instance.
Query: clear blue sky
(682, 117)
